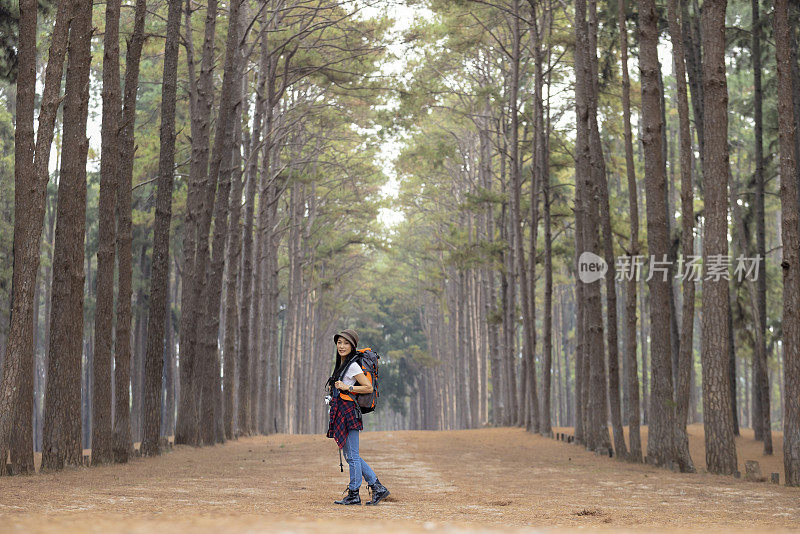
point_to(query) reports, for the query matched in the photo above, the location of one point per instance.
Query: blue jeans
(358, 467)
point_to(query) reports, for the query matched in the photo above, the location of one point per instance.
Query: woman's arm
(361, 378)
(366, 385)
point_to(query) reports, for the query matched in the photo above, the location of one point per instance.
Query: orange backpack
(368, 360)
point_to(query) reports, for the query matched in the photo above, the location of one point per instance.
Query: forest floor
(456, 481)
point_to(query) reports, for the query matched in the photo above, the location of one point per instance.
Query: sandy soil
(474, 480)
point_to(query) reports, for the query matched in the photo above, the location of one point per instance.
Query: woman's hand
(340, 385)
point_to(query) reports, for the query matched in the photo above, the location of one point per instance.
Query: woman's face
(343, 347)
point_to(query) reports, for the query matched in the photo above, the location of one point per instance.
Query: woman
(345, 418)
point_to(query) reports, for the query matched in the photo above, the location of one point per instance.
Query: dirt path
(440, 481)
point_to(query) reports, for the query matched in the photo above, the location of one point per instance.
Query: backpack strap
(352, 359)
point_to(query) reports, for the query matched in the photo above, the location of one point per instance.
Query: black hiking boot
(378, 491)
(352, 497)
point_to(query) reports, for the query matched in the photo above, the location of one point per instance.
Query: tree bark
(219, 172)
(62, 425)
(687, 240)
(732, 352)
(249, 282)
(790, 263)
(168, 427)
(123, 443)
(17, 388)
(660, 448)
(109, 165)
(530, 398)
(159, 278)
(602, 220)
(631, 367)
(595, 419)
(31, 176)
(545, 426)
(232, 261)
(717, 402)
(541, 177)
(690, 29)
(194, 265)
(761, 405)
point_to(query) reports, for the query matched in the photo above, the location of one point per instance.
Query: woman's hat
(349, 335)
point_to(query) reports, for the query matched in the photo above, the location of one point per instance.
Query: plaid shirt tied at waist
(344, 417)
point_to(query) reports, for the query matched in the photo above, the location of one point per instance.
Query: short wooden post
(752, 471)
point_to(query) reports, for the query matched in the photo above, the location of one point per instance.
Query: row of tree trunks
(248, 283)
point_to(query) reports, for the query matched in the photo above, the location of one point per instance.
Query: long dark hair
(338, 368)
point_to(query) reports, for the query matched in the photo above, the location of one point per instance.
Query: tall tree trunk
(37, 384)
(17, 390)
(30, 176)
(631, 367)
(48, 285)
(644, 307)
(596, 433)
(62, 425)
(541, 178)
(123, 443)
(580, 343)
(249, 284)
(732, 352)
(159, 278)
(234, 252)
(791, 245)
(794, 18)
(194, 265)
(600, 185)
(266, 291)
(761, 401)
(687, 240)
(109, 164)
(530, 400)
(219, 172)
(660, 448)
(545, 426)
(169, 355)
(140, 343)
(690, 29)
(717, 402)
